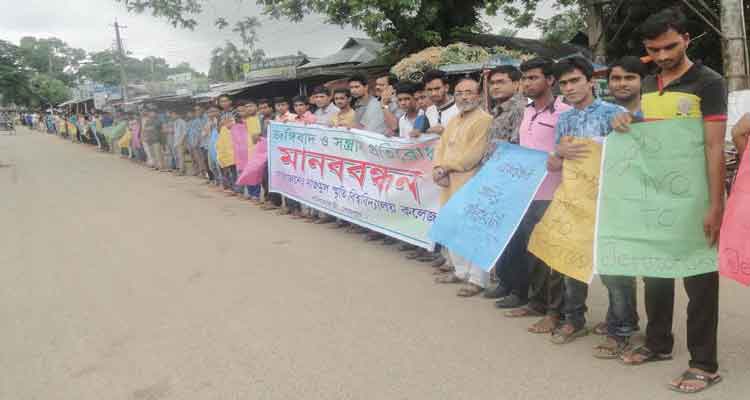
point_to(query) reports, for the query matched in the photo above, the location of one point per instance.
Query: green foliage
(226, 62)
(103, 67)
(14, 80)
(51, 56)
(48, 90)
(561, 27)
(177, 12)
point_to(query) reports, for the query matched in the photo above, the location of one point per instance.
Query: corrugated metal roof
(354, 51)
(231, 88)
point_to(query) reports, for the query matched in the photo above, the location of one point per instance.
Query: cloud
(88, 24)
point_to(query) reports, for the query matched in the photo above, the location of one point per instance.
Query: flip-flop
(558, 337)
(649, 356)
(448, 279)
(523, 312)
(605, 351)
(469, 290)
(692, 376)
(600, 329)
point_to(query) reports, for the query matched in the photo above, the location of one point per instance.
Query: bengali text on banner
(653, 198)
(479, 220)
(383, 184)
(564, 238)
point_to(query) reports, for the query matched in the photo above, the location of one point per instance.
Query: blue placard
(479, 220)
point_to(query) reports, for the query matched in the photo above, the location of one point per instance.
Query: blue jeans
(574, 302)
(253, 191)
(622, 313)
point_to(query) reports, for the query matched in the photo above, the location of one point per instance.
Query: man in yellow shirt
(225, 154)
(457, 158)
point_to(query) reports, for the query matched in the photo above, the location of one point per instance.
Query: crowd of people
(216, 141)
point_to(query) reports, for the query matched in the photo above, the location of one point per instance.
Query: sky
(88, 24)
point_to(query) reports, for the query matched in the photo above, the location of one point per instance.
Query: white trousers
(467, 271)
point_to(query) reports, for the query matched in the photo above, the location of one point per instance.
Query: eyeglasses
(465, 93)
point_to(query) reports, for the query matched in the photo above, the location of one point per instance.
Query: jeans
(622, 313)
(515, 265)
(253, 191)
(702, 317)
(574, 302)
(229, 177)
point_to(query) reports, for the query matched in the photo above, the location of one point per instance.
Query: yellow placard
(564, 238)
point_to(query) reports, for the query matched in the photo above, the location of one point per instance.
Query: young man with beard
(528, 274)
(325, 110)
(368, 111)
(457, 158)
(589, 118)
(684, 89)
(444, 106)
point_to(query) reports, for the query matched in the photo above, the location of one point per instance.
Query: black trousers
(702, 318)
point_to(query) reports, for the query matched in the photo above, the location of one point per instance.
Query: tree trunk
(595, 26)
(733, 28)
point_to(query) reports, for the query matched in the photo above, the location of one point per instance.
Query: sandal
(646, 356)
(612, 348)
(567, 333)
(469, 290)
(447, 279)
(524, 312)
(548, 324)
(600, 329)
(689, 375)
(446, 268)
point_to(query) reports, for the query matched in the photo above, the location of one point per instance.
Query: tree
(48, 90)
(226, 62)
(561, 27)
(14, 80)
(403, 26)
(51, 56)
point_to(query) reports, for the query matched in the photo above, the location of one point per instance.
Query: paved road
(122, 283)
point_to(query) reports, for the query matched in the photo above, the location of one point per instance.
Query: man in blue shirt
(589, 117)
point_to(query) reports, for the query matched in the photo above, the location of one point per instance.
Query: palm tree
(226, 62)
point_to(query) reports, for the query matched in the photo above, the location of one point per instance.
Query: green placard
(652, 200)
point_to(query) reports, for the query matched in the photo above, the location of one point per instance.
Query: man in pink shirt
(530, 284)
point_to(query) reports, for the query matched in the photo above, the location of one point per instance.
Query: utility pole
(735, 44)
(121, 54)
